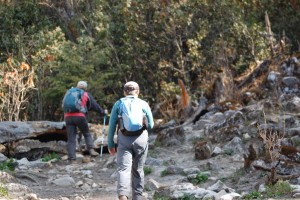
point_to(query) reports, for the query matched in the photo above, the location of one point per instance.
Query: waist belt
(133, 133)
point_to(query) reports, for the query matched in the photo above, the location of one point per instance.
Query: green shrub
(164, 173)
(200, 178)
(9, 165)
(281, 188)
(3, 191)
(147, 170)
(50, 156)
(253, 195)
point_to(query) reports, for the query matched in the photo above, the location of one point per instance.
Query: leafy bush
(164, 173)
(9, 165)
(3, 191)
(50, 156)
(253, 195)
(281, 188)
(147, 170)
(200, 178)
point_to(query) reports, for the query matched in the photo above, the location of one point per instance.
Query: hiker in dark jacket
(79, 119)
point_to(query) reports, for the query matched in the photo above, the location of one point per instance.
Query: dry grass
(272, 141)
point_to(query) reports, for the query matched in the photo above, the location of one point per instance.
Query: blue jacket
(113, 121)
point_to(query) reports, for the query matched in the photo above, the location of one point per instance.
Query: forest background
(48, 45)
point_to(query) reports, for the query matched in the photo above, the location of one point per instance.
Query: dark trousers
(71, 125)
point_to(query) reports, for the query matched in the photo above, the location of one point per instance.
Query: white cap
(131, 85)
(82, 85)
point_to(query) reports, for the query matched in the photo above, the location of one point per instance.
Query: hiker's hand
(112, 151)
(105, 112)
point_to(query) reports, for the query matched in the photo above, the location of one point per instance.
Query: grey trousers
(131, 156)
(71, 124)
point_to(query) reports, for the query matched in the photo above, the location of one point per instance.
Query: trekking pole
(102, 137)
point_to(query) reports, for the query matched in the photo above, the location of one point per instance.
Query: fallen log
(14, 131)
(34, 139)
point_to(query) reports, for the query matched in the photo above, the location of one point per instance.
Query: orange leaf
(24, 66)
(185, 99)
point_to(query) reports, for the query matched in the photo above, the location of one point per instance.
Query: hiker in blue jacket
(132, 145)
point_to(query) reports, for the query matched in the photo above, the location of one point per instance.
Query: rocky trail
(94, 178)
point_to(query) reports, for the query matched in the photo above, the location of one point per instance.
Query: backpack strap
(119, 112)
(119, 108)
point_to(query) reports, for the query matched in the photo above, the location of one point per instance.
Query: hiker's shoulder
(88, 94)
(118, 102)
(143, 102)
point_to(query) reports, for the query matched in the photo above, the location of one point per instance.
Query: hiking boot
(93, 153)
(123, 197)
(86, 159)
(71, 162)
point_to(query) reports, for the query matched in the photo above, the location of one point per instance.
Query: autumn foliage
(17, 81)
(185, 99)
